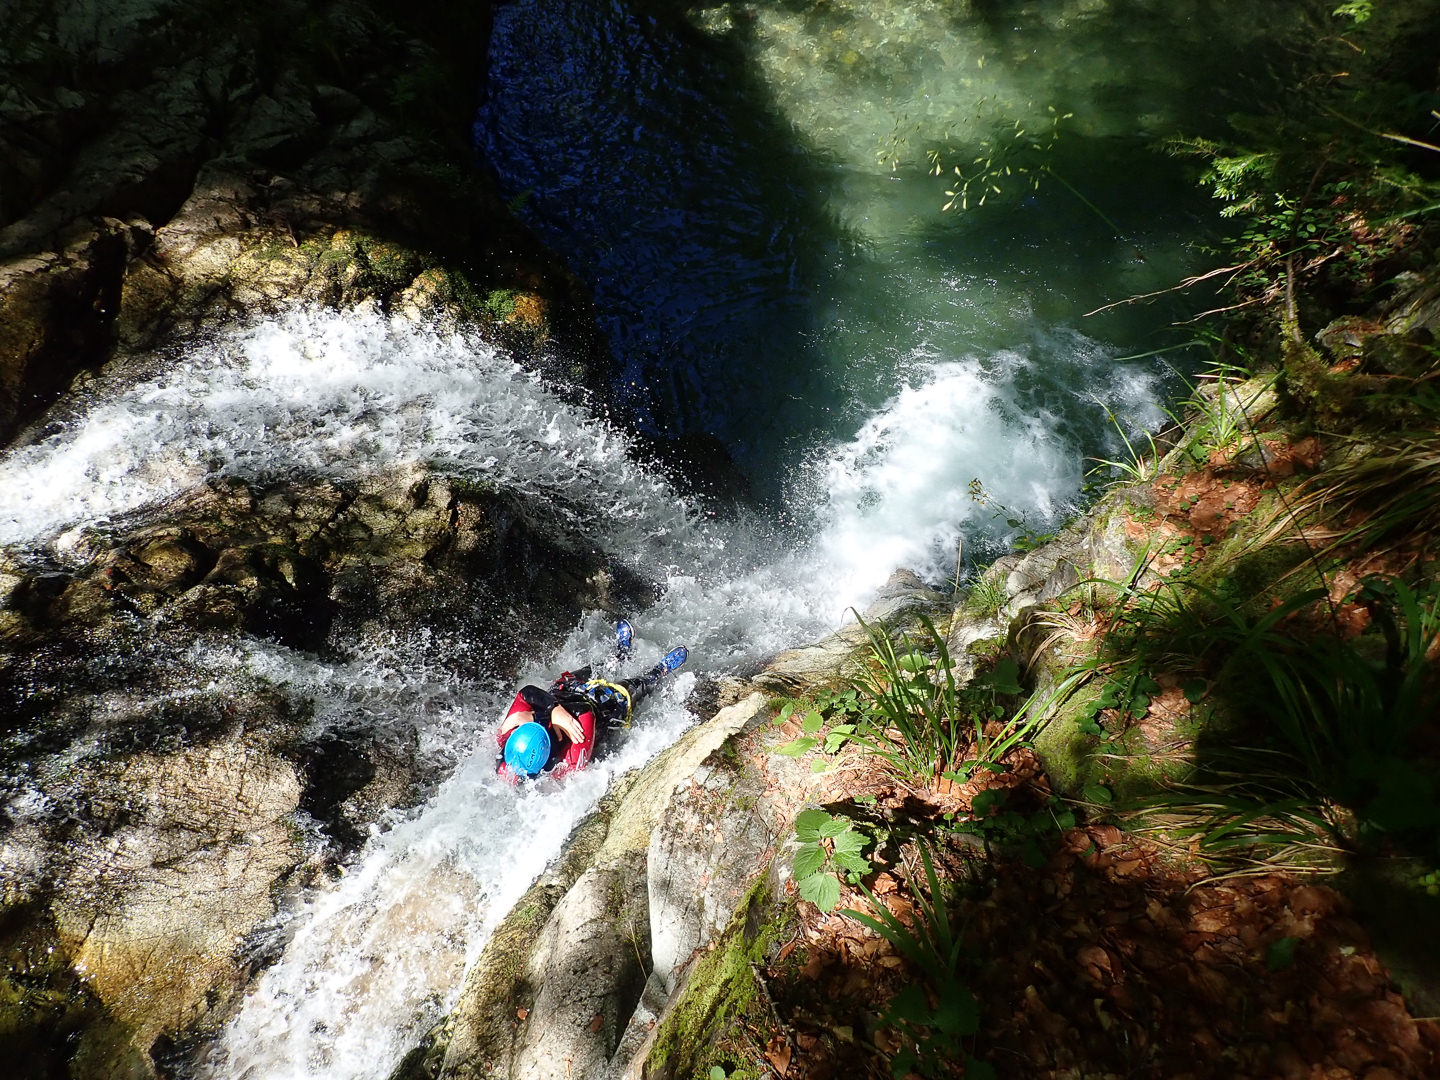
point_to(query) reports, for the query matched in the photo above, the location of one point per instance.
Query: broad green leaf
(913, 662)
(903, 1063)
(1098, 793)
(822, 890)
(807, 824)
(986, 801)
(1194, 690)
(909, 1006)
(796, 747)
(850, 840)
(812, 723)
(819, 765)
(1281, 954)
(854, 863)
(718, 1073)
(834, 827)
(957, 1012)
(1005, 677)
(808, 859)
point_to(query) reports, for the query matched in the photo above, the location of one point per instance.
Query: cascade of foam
(377, 956)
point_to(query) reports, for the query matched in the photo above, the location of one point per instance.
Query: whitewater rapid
(376, 957)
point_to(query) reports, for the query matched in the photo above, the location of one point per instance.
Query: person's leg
(642, 685)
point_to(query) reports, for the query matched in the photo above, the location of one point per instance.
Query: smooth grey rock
(587, 966)
(703, 855)
(830, 659)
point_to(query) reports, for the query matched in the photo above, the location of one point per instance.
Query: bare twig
(1221, 310)
(1185, 284)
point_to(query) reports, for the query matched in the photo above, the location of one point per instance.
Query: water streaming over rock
(374, 958)
(861, 360)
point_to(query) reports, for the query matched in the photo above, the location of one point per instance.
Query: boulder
(559, 984)
(829, 659)
(57, 311)
(151, 910)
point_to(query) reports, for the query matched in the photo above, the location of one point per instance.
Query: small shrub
(830, 846)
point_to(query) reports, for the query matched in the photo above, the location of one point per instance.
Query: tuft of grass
(935, 1017)
(1333, 763)
(1384, 499)
(985, 598)
(924, 723)
(1138, 466)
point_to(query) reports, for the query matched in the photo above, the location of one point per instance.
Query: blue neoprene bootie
(675, 657)
(624, 635)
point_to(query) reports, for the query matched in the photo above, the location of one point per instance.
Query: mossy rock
(44, 1004)
(1138, 760)
(722, 995)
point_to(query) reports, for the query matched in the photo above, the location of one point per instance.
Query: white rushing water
(377, 957)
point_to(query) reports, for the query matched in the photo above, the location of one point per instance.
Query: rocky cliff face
(154, 827)
(165, 166)
(166, 169)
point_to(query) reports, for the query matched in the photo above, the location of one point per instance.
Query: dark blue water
(767, 282)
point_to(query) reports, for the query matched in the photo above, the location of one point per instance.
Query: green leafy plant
(935, 1017)
(1356, 10)
(1007, 828)
(1125, 693)
(1012, 159)
(827, 723)
(830, 846)
(924, 723)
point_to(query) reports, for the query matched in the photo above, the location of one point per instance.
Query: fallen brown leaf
(777, 1053)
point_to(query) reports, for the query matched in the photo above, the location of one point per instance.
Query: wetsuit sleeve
(540, 702)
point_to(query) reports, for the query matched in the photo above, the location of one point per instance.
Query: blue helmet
(528, 749)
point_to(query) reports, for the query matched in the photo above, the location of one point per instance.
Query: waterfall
(377, 956)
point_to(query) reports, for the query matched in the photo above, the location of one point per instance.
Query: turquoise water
(748, 191)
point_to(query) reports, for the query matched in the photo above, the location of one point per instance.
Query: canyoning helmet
(528, 749)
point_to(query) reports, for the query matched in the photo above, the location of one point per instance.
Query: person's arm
(560, 717)
(512, 721)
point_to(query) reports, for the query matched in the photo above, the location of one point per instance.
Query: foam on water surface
(376, 957)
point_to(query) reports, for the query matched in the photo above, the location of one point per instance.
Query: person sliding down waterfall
(562, 729)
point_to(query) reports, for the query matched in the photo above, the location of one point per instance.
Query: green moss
(1068, 754)
(1128, 765)
(987, 649)
(722, 994)
(500, 304)
(44, 1006)
(1242, 570)
(394, 265)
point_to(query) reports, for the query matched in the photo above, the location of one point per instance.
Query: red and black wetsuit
(597, 708)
